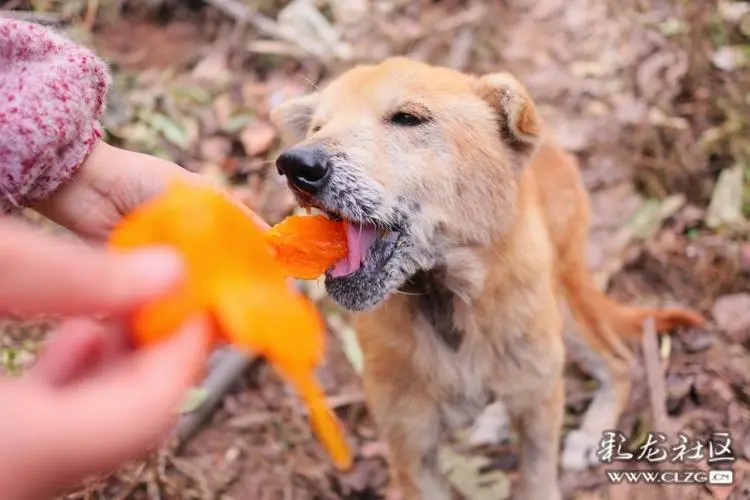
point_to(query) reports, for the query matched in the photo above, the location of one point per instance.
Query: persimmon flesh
(233, 274)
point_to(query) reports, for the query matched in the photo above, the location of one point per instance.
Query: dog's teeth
(308, 209)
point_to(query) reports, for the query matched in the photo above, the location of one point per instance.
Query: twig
(45, 18)
(657, 391)
(274, 47)
(655, 377)
(339, 401)
(91, 12)
(130, 486)
(226, 367)
(192, 472)
(242, 14)
(698, 414)
(461, 49)
(470, 16)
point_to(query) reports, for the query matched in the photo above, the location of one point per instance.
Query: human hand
(91, 402)
(108, 185)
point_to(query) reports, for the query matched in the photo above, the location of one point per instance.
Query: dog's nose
(306, 167)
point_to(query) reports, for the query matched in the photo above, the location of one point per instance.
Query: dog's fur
(460, 303)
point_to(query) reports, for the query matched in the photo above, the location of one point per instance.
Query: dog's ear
(518, 122)
(292, 117)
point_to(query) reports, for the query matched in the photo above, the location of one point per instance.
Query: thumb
(45, 274)
(120, 415)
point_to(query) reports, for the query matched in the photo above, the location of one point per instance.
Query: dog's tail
(611, 321)
(628, 320)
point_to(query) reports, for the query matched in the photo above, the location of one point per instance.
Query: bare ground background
(652, 96)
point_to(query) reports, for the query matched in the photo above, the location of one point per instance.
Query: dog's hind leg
(612, 372)
(602, 324)
(598, 347)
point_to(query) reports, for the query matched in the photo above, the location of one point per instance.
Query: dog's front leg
(539, 428)
(409, 422)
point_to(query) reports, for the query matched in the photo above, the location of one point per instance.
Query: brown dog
(467, 226)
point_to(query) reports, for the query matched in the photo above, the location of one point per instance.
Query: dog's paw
(491, 427)
(579, 451)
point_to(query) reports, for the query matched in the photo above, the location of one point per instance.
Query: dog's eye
(406, 119)
(316, 129)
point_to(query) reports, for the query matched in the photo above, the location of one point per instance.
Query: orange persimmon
(233, 276)
(308, 245)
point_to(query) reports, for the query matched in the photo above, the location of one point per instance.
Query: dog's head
(418, 160)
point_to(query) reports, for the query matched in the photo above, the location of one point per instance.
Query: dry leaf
(193, 399)
(213, 68)
(732, 315)
(725, 208)
(652, 214)
(733, 12)
(729, 58)
(349, 343)
(257, 137)
(463, 471)
(313, 31)
(216, 148)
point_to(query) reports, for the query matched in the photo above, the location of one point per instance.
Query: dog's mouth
(359, 239)
(382, 253)
(371, 243)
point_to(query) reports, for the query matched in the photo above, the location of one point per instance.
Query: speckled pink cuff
(52, 95)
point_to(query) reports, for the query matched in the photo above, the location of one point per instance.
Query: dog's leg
(409, 422)
(594, 345)
(611, 397)
(539, 434)
(413, 460)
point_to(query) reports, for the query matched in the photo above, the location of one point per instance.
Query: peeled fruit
(307, 245)
(236, 276)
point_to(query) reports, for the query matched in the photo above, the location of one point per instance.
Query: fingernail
(157, 267)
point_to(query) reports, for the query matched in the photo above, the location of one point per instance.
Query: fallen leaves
(464, 472)
(609, 82)
(725, 208)
(257, 137)
(732, 316)
(215, 148)
(730, 58)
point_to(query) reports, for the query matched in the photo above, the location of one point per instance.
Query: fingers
(43, 274)
(148, 388)
(94, 425)
(111, 183)
(69, 353)
(79, 348)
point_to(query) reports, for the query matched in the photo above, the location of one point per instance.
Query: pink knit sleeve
(52, 96)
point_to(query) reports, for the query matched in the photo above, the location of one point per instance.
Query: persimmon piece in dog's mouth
(359, 239)
(306, 246)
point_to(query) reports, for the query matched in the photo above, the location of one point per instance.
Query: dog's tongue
(359, 239)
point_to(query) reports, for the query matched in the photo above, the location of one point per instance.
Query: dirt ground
(651, 95)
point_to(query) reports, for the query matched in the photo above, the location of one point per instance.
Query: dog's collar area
(434, 301)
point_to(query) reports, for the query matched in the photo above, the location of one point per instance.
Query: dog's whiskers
(410, 294)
